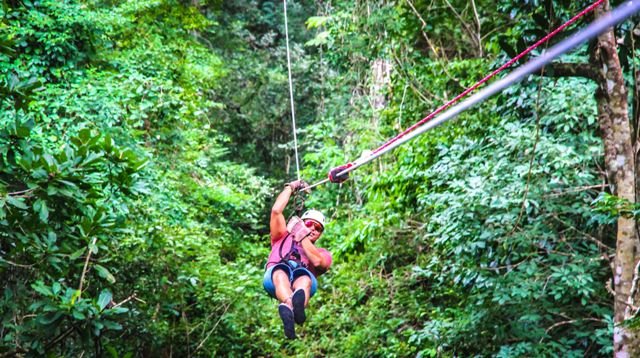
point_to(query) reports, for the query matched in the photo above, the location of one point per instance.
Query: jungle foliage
(142, 144)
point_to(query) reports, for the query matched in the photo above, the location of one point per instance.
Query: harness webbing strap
(292, 234)
(283, 258)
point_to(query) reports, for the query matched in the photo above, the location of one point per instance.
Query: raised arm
(278, 224)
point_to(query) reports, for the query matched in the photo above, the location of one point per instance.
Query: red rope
(482, 81)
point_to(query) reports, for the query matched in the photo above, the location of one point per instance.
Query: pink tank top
(297, 254)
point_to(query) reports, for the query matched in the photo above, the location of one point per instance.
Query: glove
(297, 185)
(333, 174)
(297, 229)
(299, 232)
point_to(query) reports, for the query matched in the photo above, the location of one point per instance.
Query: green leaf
(85, 135)
(104, 273)
(40, 206)
(51, 239)
(23, 131)
(94, 248)
(108, 143)
(51, 190)
(74, 297)
(56, 288)
(141, 165)
(49, 318)
(75, 255)
(68, 183)
(112, 351)
(52, 165)
(78, 315)
(119, 310)
(317, 21)
(91, 158)
(112, 325)
(319, 40)
(97, 327)
(18, 203)
(41, 288)
(104, 299)
(25, 163)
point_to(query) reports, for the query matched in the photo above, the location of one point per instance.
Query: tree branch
(212, 329)
(21, 192)
(14, 352)
(474, 37)
(59, 338)
(479, 33)
(533, 157)
(598, 243)
(17, 264)
(404, 74)
(86, 264)
(577, 189)
(424, 26)
(571, 69)
(558, 324)
(125, 301)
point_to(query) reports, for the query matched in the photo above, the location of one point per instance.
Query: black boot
(297, 301)
(286, 314)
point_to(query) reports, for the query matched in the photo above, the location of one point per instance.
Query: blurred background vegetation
(142, 144)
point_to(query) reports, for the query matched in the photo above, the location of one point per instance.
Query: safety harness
(296, 232)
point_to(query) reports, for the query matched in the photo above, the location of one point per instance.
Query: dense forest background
(142, 144)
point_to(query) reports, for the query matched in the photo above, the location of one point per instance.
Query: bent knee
(280, 275)
(303, 281)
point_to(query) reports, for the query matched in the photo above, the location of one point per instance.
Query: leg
(300, 298)
(283, 286)
(277, 283)
(303, 282)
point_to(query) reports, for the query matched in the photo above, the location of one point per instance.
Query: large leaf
(40, 206)
(17, 202)
(41, 288)
(104, 273)
(104, 299)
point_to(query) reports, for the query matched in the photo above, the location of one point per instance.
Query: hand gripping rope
(618, 15)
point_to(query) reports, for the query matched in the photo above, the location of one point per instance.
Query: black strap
(285, 259)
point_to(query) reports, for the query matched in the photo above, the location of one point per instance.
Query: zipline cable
(491, 75)
(621, 13)
(318, 183)
(293, 110)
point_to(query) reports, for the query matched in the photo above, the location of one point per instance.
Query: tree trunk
(380, 79)
(620, 165)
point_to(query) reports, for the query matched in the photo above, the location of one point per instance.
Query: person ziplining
(295, 261)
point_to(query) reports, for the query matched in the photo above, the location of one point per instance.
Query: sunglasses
(314, 224)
